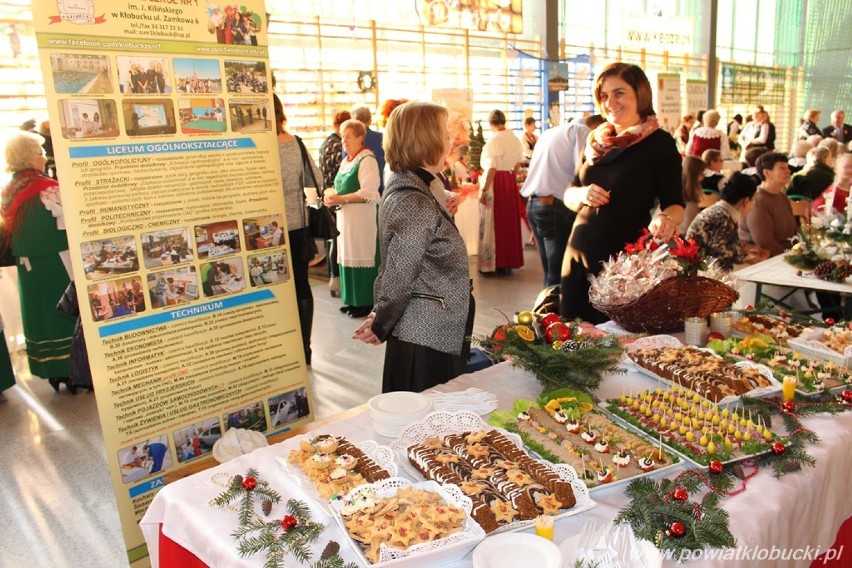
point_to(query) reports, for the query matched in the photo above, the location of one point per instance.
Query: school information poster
(163, 128)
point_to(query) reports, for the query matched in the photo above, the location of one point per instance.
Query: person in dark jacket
(81, 373)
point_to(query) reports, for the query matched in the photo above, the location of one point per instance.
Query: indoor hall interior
(57, 507)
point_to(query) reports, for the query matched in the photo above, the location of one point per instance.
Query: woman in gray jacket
(423, 303)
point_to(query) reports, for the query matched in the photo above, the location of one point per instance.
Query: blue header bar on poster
(185, 312)
(162, 147)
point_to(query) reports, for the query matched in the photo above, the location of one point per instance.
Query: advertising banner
(696, 96)
(752, 84)
(163, 129)
(668, 101)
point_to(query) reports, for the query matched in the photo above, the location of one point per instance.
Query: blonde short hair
(355, 126)
(812, 114)
(711, 118)
(414, 137)
(20, 150)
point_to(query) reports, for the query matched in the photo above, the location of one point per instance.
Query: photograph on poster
(246, 76)
(249, 115)
(172, 287)
(148, 117)
(105, 257)
(268, 269)
(88, 118)
(287, 407)
(250, 418)
(222, 277)
(217, 239)
(197, 439)
(144, 458)
(116, 298)
(144, 75)
(76, 74)
(166, 248)
(202, 116)
(233, 24)
(197, 75)
(264, 232)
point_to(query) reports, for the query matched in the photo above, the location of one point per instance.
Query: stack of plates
(393, 411)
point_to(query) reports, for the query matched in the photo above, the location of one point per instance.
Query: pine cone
(237, 481)
(824, 269)
(331, 549)
(266, 506)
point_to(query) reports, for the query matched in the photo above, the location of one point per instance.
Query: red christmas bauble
(499, 334)
(557, 331)
(846, 395)
(549, 319)
(680, 494)
(716, 466)
(778, 448)
(249, 483)
(830, 321)
(749, 308)
(677, 529)
(789, 406)
(715, 335)
(289, 522)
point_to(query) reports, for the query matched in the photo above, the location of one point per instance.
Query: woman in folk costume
(32, 213)
(356, 192)
(500, 246)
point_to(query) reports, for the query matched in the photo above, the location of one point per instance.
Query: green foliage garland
(579, 364)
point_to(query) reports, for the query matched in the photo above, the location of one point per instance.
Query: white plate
(650, 556)
(440, 423)
(382, 455)
(511, 550)
(400, 403)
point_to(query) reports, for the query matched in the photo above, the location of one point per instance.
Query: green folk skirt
(47, 330)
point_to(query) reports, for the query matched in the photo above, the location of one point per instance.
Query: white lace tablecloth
(801, 509)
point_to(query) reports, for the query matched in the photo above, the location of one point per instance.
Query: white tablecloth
(801, 509)
(779, 272)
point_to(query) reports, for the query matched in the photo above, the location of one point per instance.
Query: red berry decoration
(716, 466)
(549, 319)
(249, 483)
(557, 331)
(289, 522)
(680, 494)
(830, 321)
(789, 406)
(677, 529)
(778, 448)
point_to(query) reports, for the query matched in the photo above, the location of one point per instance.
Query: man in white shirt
(554, 162)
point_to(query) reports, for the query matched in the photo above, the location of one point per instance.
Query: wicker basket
(663, 309)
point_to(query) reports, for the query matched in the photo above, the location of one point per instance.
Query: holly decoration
(578, 363)
(289, 522)
(680, 494)
(245, 489)
(692, 525)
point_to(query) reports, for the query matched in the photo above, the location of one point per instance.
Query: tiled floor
(56, 500)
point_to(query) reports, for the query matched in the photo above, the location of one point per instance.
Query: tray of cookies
(776, 327)
(395, 522)
(327, 467)
(508, 487)
(699, 370)
(833, 344)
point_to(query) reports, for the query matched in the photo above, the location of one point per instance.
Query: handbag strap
(308, 166)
